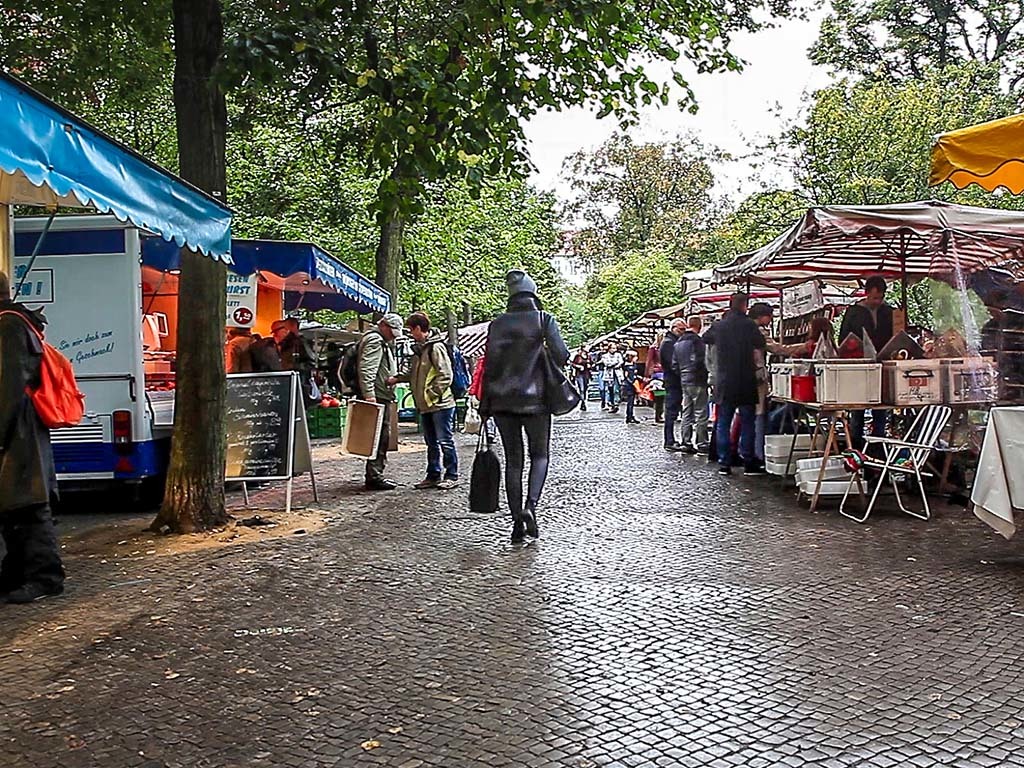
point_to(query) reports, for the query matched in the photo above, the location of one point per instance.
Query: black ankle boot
(530, 520)
(518, 531)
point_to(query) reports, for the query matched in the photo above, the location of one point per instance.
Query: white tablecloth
(999, 484)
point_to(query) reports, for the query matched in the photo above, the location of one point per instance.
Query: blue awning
(47, 155)
(310, 277)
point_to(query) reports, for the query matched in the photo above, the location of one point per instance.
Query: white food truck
(109, 293)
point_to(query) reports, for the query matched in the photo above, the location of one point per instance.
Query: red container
(803, 388)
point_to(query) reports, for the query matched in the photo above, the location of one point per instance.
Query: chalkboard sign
(260, 421)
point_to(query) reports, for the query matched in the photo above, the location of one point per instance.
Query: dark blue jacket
(688, 360)
(667, 354)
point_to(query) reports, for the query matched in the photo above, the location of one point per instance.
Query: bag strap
(25, 320)
(480, 447)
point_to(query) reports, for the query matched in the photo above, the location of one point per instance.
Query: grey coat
(27, 475)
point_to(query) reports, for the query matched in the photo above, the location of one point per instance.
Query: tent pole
(903, 274)
(7, 242)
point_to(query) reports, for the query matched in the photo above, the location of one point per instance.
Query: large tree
(905, 39)
(448, 85)
(631, 196)
(869, 141)
(194, 499)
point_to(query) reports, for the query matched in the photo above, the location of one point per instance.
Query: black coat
(735, 337)
(514, 372)
(27, 475)
(857, 319)
(666, 353)
(688, 360)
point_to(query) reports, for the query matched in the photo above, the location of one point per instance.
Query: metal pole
(35, 252)
(7, 242)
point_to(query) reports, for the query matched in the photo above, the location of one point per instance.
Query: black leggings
(538, 434)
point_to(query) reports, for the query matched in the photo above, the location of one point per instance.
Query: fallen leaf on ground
(371, 744)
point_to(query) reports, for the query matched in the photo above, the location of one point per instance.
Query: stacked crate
(326, 422)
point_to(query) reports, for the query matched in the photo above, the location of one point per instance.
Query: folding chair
(911, 452)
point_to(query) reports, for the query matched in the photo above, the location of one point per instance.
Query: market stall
(50, 157)
(959, 245)
(990, 155)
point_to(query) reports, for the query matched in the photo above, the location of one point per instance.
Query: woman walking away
(514, 384)
(629, 378)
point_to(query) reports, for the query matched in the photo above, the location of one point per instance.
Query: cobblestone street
(666, 617)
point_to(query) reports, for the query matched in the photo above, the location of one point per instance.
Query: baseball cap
(394, 321)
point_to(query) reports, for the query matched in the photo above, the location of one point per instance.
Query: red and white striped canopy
(920, 239)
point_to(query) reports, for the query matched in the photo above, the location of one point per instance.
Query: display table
(835, 414)
(999, 482)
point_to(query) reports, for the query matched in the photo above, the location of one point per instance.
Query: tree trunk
(389, 252)
(194, 500)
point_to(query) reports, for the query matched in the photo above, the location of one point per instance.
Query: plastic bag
(472, 423)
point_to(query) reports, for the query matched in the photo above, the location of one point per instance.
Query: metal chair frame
(920, 440)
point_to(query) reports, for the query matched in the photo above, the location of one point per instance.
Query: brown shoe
(427, 483)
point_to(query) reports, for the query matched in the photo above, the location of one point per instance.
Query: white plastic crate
(912, 382)
(778, 443)
(781, 376)
(778, 467)
(970, 380)
(828, 487)
(855, 382)
(808, 469)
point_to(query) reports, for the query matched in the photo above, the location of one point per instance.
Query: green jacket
(430, 375)
(376, 365)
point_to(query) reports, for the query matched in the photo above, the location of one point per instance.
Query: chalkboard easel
(267, 433)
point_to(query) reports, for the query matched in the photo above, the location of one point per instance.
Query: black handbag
(485, 481)
(560, 395)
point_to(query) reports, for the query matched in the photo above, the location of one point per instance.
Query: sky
(737, 111)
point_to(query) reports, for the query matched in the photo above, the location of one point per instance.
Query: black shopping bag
(485, 481)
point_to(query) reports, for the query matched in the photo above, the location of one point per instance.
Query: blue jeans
(673, 404)
(760, 429)
(439, 437)
(878, 421)
(723, 425)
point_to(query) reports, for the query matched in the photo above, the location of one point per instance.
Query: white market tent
(907, 241)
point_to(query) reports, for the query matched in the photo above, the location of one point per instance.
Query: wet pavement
(667, 617)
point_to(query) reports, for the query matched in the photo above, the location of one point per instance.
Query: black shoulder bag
(560, 395)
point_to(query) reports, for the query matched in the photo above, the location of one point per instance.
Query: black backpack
(348, 368)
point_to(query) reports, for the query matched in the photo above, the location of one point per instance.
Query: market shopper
(673, 385)
(238, 351)
(735, 338)
(580, 365)
(514, 393)
(430, 376)
(653, 372)
(870, 317)
(762, 314)
(629, 380)
(31, 568)
(377, 366)
(612, 362)
(689, 359)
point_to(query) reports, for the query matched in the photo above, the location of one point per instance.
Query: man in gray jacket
(689, 362)
(377, 367)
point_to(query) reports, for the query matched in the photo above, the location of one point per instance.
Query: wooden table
(836, 413)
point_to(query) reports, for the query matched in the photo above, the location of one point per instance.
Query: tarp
(919, 239)
(473, 339)
(990, 155)
(310, 277)
(47, 156)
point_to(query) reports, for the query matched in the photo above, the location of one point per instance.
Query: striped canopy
(919, 239)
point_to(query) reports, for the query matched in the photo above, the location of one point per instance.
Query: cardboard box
(362, 428)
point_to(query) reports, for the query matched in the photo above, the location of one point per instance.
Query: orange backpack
(57, 401)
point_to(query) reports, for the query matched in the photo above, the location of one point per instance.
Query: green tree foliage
(461, 248)
(869, 141)
(906, 39)
(620, 292)
(755, 222)
(448, 85)
(631, 197)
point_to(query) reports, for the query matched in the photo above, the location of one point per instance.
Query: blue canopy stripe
(52, 148)
(314, 278)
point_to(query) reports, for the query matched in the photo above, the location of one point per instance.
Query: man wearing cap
(377, 364)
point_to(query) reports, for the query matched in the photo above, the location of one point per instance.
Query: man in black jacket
(870, 317)
(735, 337)
(31, 568)
(673, 386)
(690, 363)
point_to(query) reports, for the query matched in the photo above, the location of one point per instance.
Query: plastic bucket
(803, 388)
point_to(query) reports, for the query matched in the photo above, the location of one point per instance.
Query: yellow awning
(990, 155)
